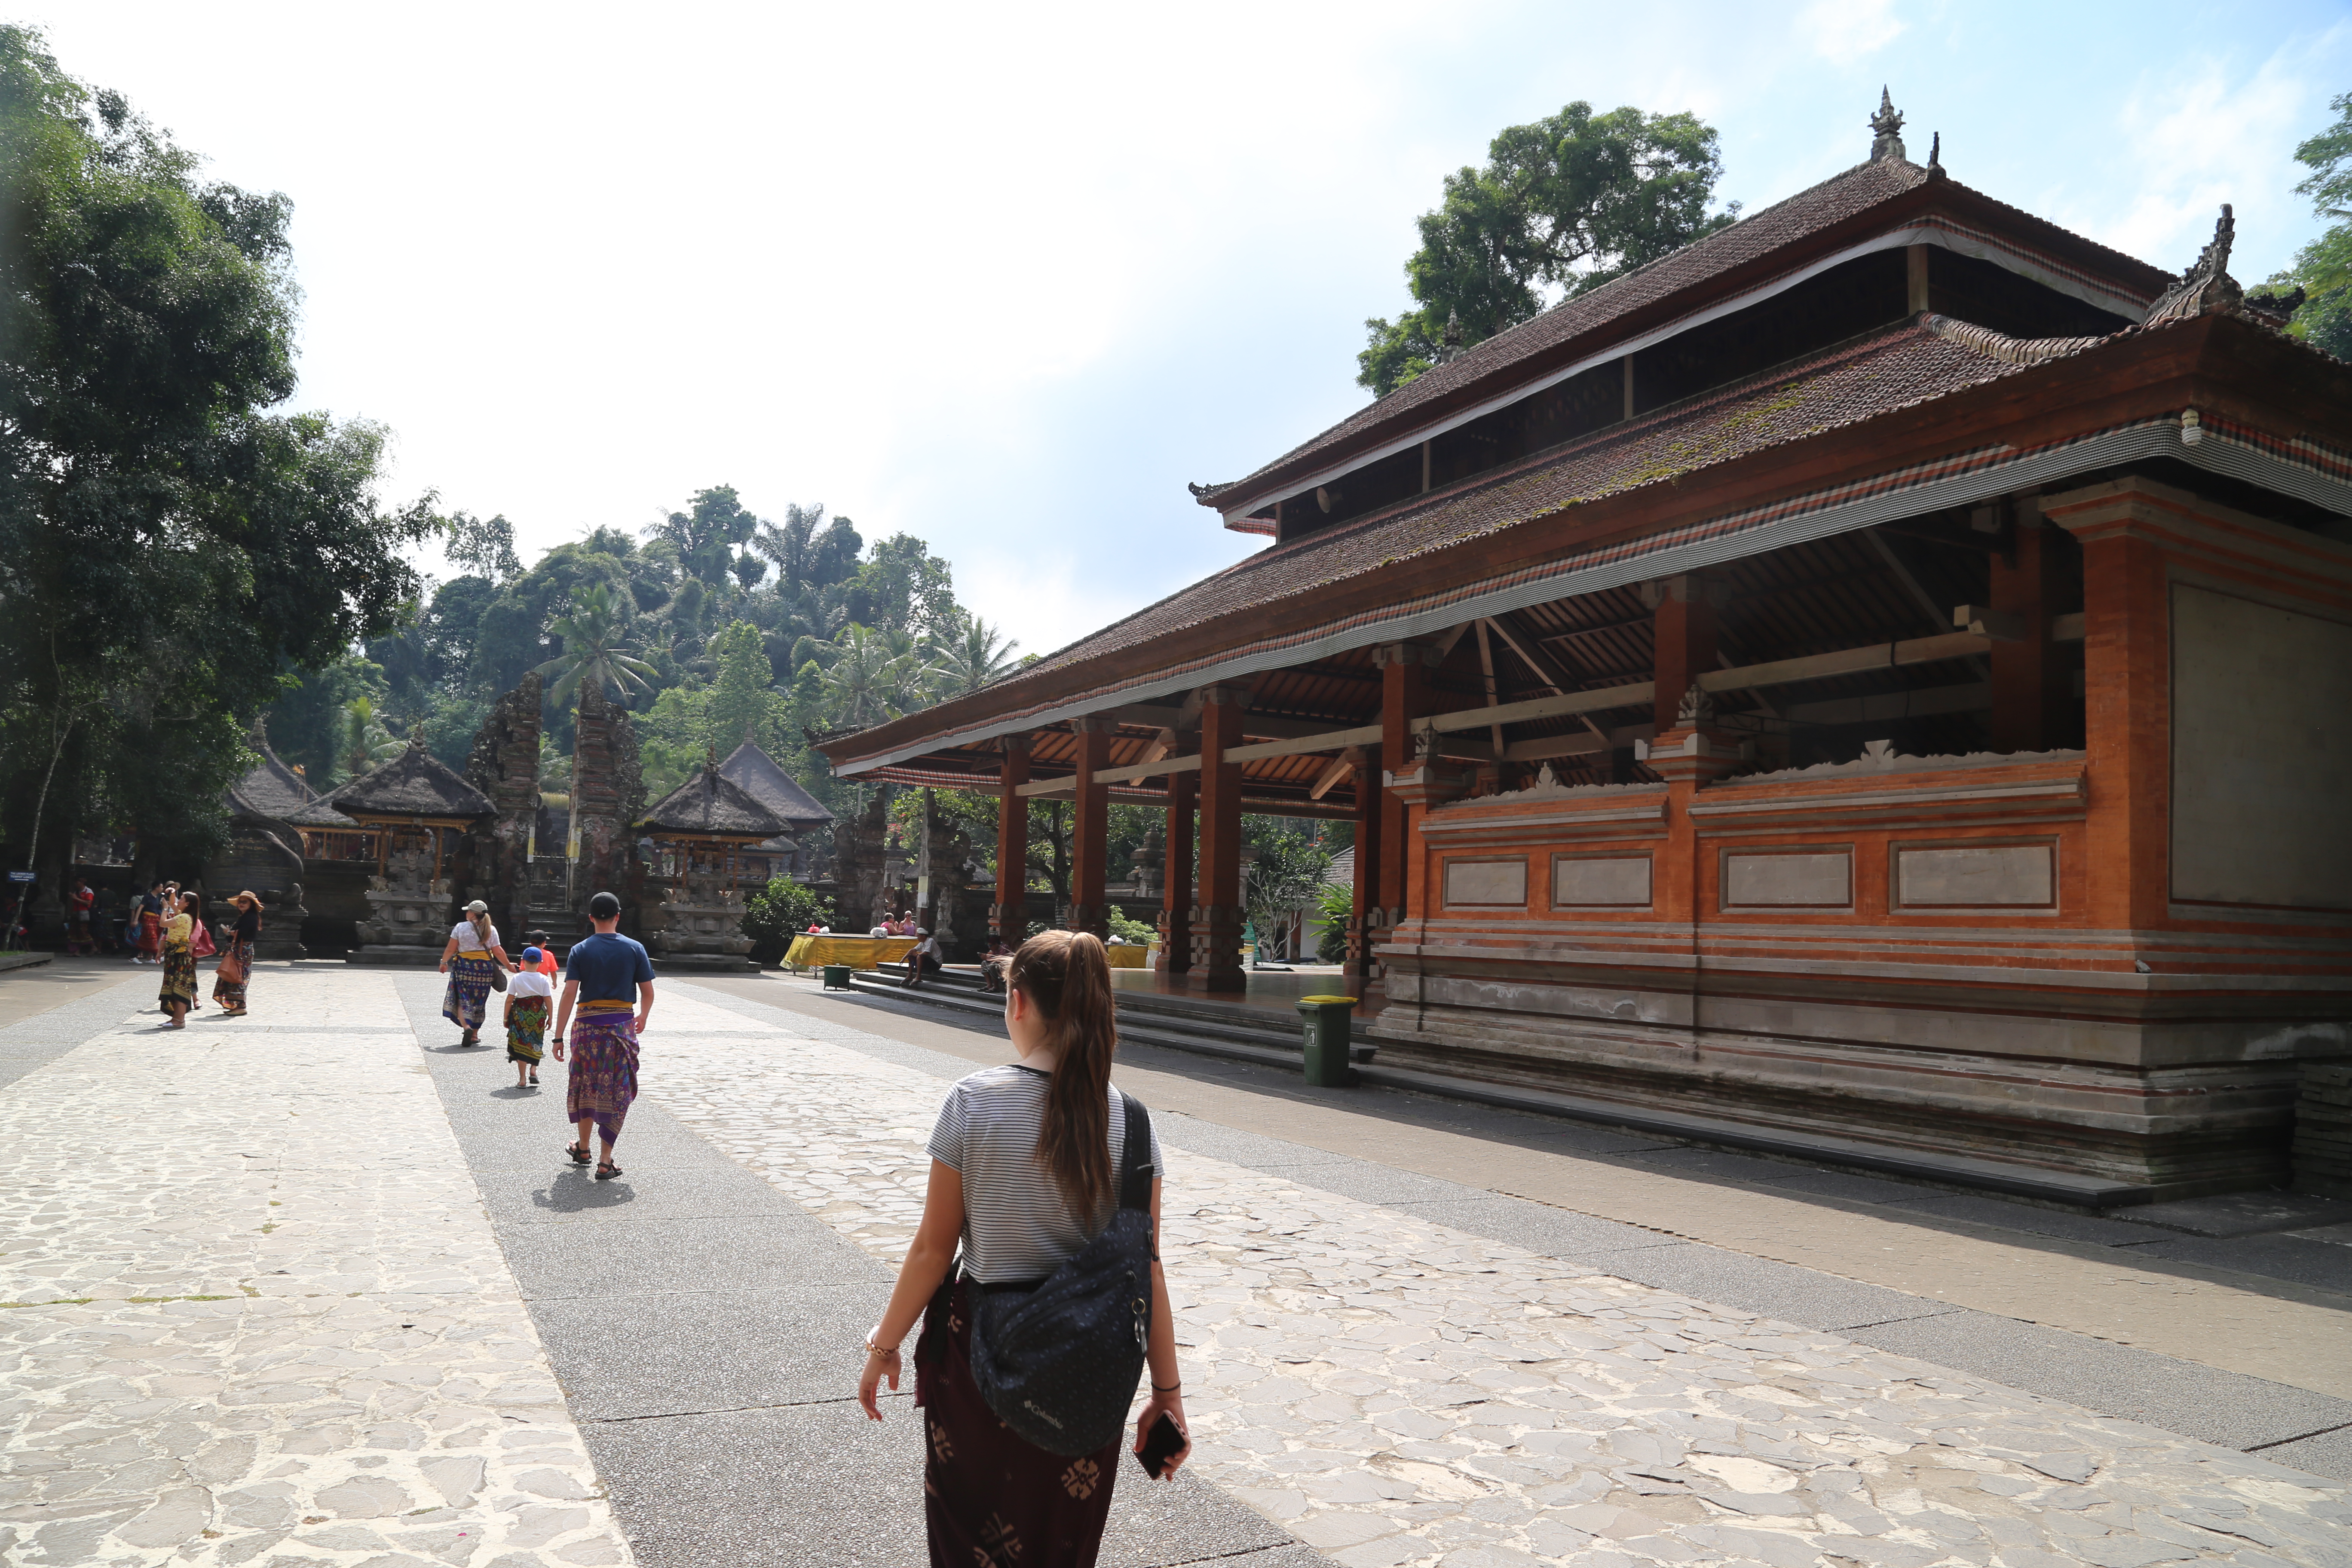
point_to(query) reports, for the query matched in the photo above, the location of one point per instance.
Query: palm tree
(976, 655)
(368, 739)
(864, 682)
(591, 651)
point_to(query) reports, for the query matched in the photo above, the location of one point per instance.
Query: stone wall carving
(608, 793)
(504, 765)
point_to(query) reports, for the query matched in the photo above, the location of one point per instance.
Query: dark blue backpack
(1058, 1364)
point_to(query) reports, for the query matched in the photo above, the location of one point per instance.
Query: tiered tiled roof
(1893, 369)
(1602, 313)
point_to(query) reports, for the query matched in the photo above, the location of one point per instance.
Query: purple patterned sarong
(604, 1080)
(466, 1003)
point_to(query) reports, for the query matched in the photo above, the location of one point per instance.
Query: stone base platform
(396, 957)
(703, 964)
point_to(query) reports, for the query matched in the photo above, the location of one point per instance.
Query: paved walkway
(250, 1308)
(1400, 1392)
(276, 1295)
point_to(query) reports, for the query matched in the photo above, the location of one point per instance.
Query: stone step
(1202, 1028)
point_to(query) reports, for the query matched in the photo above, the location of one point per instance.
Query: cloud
(2204, 135)
(1843, 31)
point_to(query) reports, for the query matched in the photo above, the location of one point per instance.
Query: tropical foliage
(775, 913)
(1561, 206)
(170, 544)
(2324, 268)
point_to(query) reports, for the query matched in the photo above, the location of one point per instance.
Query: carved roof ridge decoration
(2206, 289)
(710, 803)
(2000, 345)
(413, 784)
(1886, 129)
(1547, 787)
(750, 769)
(1880, 759)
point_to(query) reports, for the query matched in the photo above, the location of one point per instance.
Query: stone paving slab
(1395, 1391)
(723, 1419)
(253, 1311)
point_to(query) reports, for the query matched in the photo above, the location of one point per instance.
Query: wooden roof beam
(1569, 704)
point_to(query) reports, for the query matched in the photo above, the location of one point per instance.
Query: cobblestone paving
(1399, 1393)
(251, 1310)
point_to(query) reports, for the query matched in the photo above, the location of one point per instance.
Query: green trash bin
(837, 977)
(1327, 1039)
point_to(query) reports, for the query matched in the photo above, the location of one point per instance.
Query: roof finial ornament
(1886, 129)
(1935, 152)
(2206, 289)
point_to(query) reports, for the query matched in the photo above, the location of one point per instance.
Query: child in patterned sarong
(530, 996)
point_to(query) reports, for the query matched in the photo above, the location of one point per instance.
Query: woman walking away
(1025, 1171)
(602, 974)
(235, 971)
(179, 993)
(469, 960)
(530, 996)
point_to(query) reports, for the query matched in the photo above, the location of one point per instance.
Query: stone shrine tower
(504, 765)
(608, 793)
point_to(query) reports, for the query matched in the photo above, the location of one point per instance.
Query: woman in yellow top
(179, 993)
(472, 956)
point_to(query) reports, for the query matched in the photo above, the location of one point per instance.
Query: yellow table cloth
(1127, 955)
(812, 949)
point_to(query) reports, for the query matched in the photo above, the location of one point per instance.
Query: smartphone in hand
(1161, 1444)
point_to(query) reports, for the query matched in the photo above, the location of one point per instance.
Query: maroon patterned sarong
(991, 1499)
(604, 1080)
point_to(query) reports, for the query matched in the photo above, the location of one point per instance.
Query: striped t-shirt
(1016, 1224)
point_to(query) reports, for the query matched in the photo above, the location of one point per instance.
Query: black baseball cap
(604, 906)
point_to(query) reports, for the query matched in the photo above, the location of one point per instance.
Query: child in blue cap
(531, 998)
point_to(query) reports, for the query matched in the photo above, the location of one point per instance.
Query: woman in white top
(530, 996)
(468, 960)
(1024, 1164)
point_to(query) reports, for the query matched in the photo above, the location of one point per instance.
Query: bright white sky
(1004, 278)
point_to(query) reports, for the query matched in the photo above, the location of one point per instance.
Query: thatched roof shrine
(709, 806)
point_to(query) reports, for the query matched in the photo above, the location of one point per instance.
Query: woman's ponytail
(1068, 976)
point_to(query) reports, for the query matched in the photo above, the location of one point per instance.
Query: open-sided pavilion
(1878, 672)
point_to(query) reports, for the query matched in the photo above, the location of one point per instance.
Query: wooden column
(1683, 637)
(1360, 964)
(1404, 696)
(1009, 919)
(2024, 704)
(1217, 918)
(1090, 828)
(1176, 882)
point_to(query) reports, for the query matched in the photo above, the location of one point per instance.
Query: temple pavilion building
(1873, 676)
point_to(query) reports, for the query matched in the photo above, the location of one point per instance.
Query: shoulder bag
(1058, 1364)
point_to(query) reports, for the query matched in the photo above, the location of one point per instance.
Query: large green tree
(2324, 266)
(1561, 206)
(169, 549)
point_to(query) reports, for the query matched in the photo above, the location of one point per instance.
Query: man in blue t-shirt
(611, 980)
